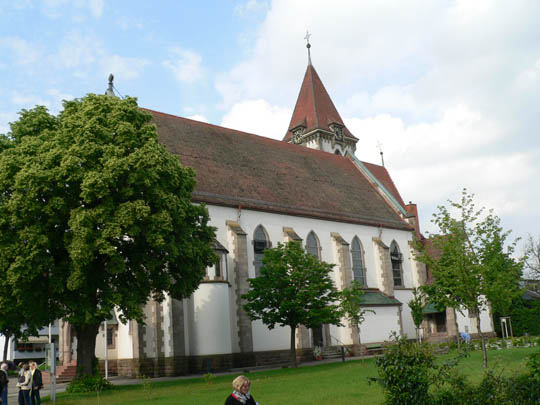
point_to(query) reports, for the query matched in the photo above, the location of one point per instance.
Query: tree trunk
(6, 342)
(484, 348)
(417, 336)
(458, 336)
(293, 347)
(86, 348)
(360, 343)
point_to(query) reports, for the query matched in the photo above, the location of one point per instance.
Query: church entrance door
(317, 337)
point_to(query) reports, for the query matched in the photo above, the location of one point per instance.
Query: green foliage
(352, 298)
(96, 214)
(492, 389)
(532, 256)
(88, 383)
(404, 372)
(209, 377)
(525, 317)
(294, 288)
(417, 305)
(470, 260)
(533, 363)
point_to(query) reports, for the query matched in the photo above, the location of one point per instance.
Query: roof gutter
(374, 179)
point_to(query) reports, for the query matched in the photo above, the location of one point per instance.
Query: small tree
(470, 265)
(417, 306)
(352, 298)
(294, 289)
(532, 256)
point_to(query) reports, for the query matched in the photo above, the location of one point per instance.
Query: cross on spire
(379, 145)
(308, 46)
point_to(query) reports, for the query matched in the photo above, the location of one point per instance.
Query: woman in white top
(25, 385)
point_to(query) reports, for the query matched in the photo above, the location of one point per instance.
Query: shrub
(88, 383)
(404, 372)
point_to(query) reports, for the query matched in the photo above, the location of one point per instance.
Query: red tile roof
(314, 107)
(236, 168)
(383, 176)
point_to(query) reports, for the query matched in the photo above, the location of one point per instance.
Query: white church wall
(270, 339)
(149, 332)
(404, 296)
(211, 324)
(167, 326)
(125, 340)
(379, 326)
(264, 339)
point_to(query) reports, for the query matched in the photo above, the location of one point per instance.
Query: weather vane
(308, 46)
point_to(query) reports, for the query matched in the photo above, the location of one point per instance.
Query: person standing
(37, 384)
(4, 380)
(241, 394)
(24, 384)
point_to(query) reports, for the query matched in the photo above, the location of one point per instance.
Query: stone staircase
(331, 352)
(63, 374)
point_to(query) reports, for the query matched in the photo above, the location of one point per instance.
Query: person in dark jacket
(241, 395)
(37, 384)
(4, 380)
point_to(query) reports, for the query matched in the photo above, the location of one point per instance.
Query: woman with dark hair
(241, 395)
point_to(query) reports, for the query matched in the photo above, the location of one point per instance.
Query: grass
(336, 383)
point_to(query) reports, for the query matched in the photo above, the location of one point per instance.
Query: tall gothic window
(357, 254)
(396, 259)
(312, 245)
(260, 243)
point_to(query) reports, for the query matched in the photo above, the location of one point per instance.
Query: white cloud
(258, 117)
(5, 119)
(198, 117)
(57, 8)
(124, 67)
(28, 100)
(184, 64)
(21, 51)
(249, 7)
(451, 90)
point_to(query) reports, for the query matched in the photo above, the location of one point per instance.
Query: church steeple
(315, 122)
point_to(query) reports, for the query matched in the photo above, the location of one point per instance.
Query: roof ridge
(298, 148)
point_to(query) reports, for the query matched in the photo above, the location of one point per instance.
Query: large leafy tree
(96, 214)
(471, 261)
(294, 289)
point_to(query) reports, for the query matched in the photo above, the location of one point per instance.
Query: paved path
(13, 391)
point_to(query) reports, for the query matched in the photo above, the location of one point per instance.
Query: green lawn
(336, 383)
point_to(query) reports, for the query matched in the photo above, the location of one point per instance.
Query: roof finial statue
(379, 145)
(110, 89)
(308, 46)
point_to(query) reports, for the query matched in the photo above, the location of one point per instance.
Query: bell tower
(315, 122)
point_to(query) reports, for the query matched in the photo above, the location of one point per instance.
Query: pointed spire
(314, 108)
(308, 46)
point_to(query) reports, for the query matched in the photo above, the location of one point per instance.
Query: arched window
(312, 245)
(337, 152)
(260, 243)
(357, 254)
(396, 259)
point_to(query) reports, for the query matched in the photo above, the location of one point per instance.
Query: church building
(309, 187)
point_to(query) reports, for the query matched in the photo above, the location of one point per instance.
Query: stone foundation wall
(185, 365)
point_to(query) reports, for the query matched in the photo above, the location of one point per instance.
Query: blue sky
(450, 88)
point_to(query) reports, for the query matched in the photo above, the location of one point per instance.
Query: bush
(89, 383)
(404, 372)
